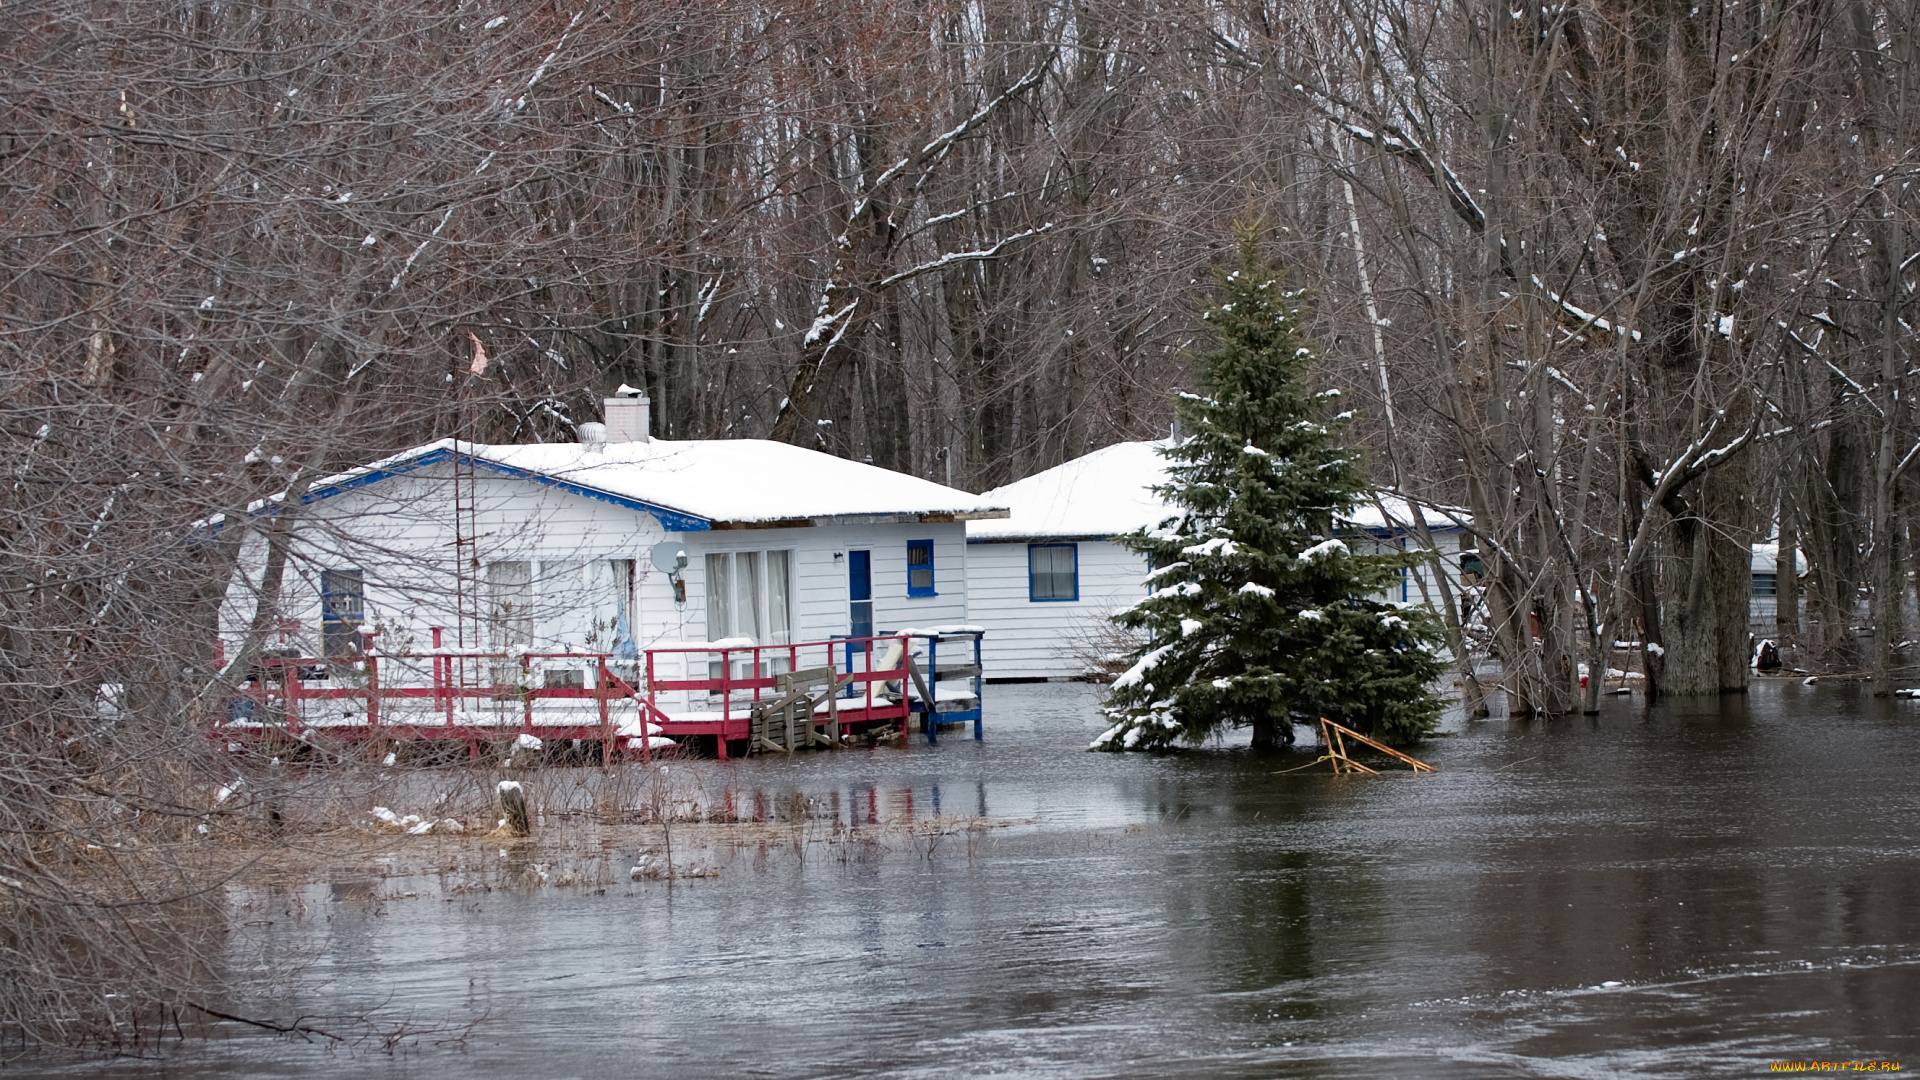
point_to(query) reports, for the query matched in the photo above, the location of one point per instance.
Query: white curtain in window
(779, 597)
(510, 603)
(565, 610)
(747, 595)
(620, 573)
(1053, 571)
(719, 597)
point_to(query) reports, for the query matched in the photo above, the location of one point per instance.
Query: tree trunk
(1693, 640)
(1885, 597)
(1888, 587)
(1831, 541)
(1786, 580)
(1730, 507)
(1709, 583)
(889, 431)
(1272, 734)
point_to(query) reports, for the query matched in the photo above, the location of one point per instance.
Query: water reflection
(1689, 890)
(852, 804)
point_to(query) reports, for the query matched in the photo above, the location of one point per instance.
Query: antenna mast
(466, 528)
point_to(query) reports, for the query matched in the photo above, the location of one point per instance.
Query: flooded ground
(1695, 890)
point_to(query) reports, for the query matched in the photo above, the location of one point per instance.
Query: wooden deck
(726, 693)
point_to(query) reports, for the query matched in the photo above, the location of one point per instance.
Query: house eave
(926, 517)
(771, 523)
(1044, 538)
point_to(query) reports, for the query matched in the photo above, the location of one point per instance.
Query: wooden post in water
(513, 808)
(926, 695)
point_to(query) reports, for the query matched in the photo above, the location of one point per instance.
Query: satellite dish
(669, 556)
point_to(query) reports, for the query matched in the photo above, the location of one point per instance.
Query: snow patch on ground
(414, 824)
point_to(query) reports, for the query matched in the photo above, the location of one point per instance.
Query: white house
(1043, 580)
(1765, 602)
(611, 545)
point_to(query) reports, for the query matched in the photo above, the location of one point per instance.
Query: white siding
(400, 532)
(820, 584)
(1029, 639)
(1410, 590)
(821, 581)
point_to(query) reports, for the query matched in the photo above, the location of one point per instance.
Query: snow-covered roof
(1102, 494)
(1107, 493)
(1398, 515)
(698, 484)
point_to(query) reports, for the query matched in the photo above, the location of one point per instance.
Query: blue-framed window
(920, 568)
(343, 607)
(1053, 572)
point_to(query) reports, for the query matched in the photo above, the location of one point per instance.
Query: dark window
(342, 609)
(1470, 564)
(1053, 572)
(1766, 585)
(919, 568)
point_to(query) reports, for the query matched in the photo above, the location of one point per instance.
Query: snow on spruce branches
(1260, 610)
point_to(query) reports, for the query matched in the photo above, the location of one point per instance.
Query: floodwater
(1695, 890)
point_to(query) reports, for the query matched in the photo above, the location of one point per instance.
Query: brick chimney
(628, 415)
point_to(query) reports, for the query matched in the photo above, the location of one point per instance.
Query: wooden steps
(788, 722)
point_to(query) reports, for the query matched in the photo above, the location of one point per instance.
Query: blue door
(860, 593)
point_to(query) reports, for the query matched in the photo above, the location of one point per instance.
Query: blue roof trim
(374, 476)
(1047, 538)
(1070, 538)
(670, 520)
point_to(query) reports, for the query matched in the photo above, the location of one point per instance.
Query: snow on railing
(710, 688)
(740, 673)
(446, 693)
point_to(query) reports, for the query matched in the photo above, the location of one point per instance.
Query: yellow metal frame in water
(1336, 736)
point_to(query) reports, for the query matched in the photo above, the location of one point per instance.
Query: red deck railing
(747, 672)
(285, 692)
(474, 696)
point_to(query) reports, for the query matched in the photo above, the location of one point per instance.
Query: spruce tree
(1259, 611)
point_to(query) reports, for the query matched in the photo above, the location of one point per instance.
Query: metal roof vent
(593, 437)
